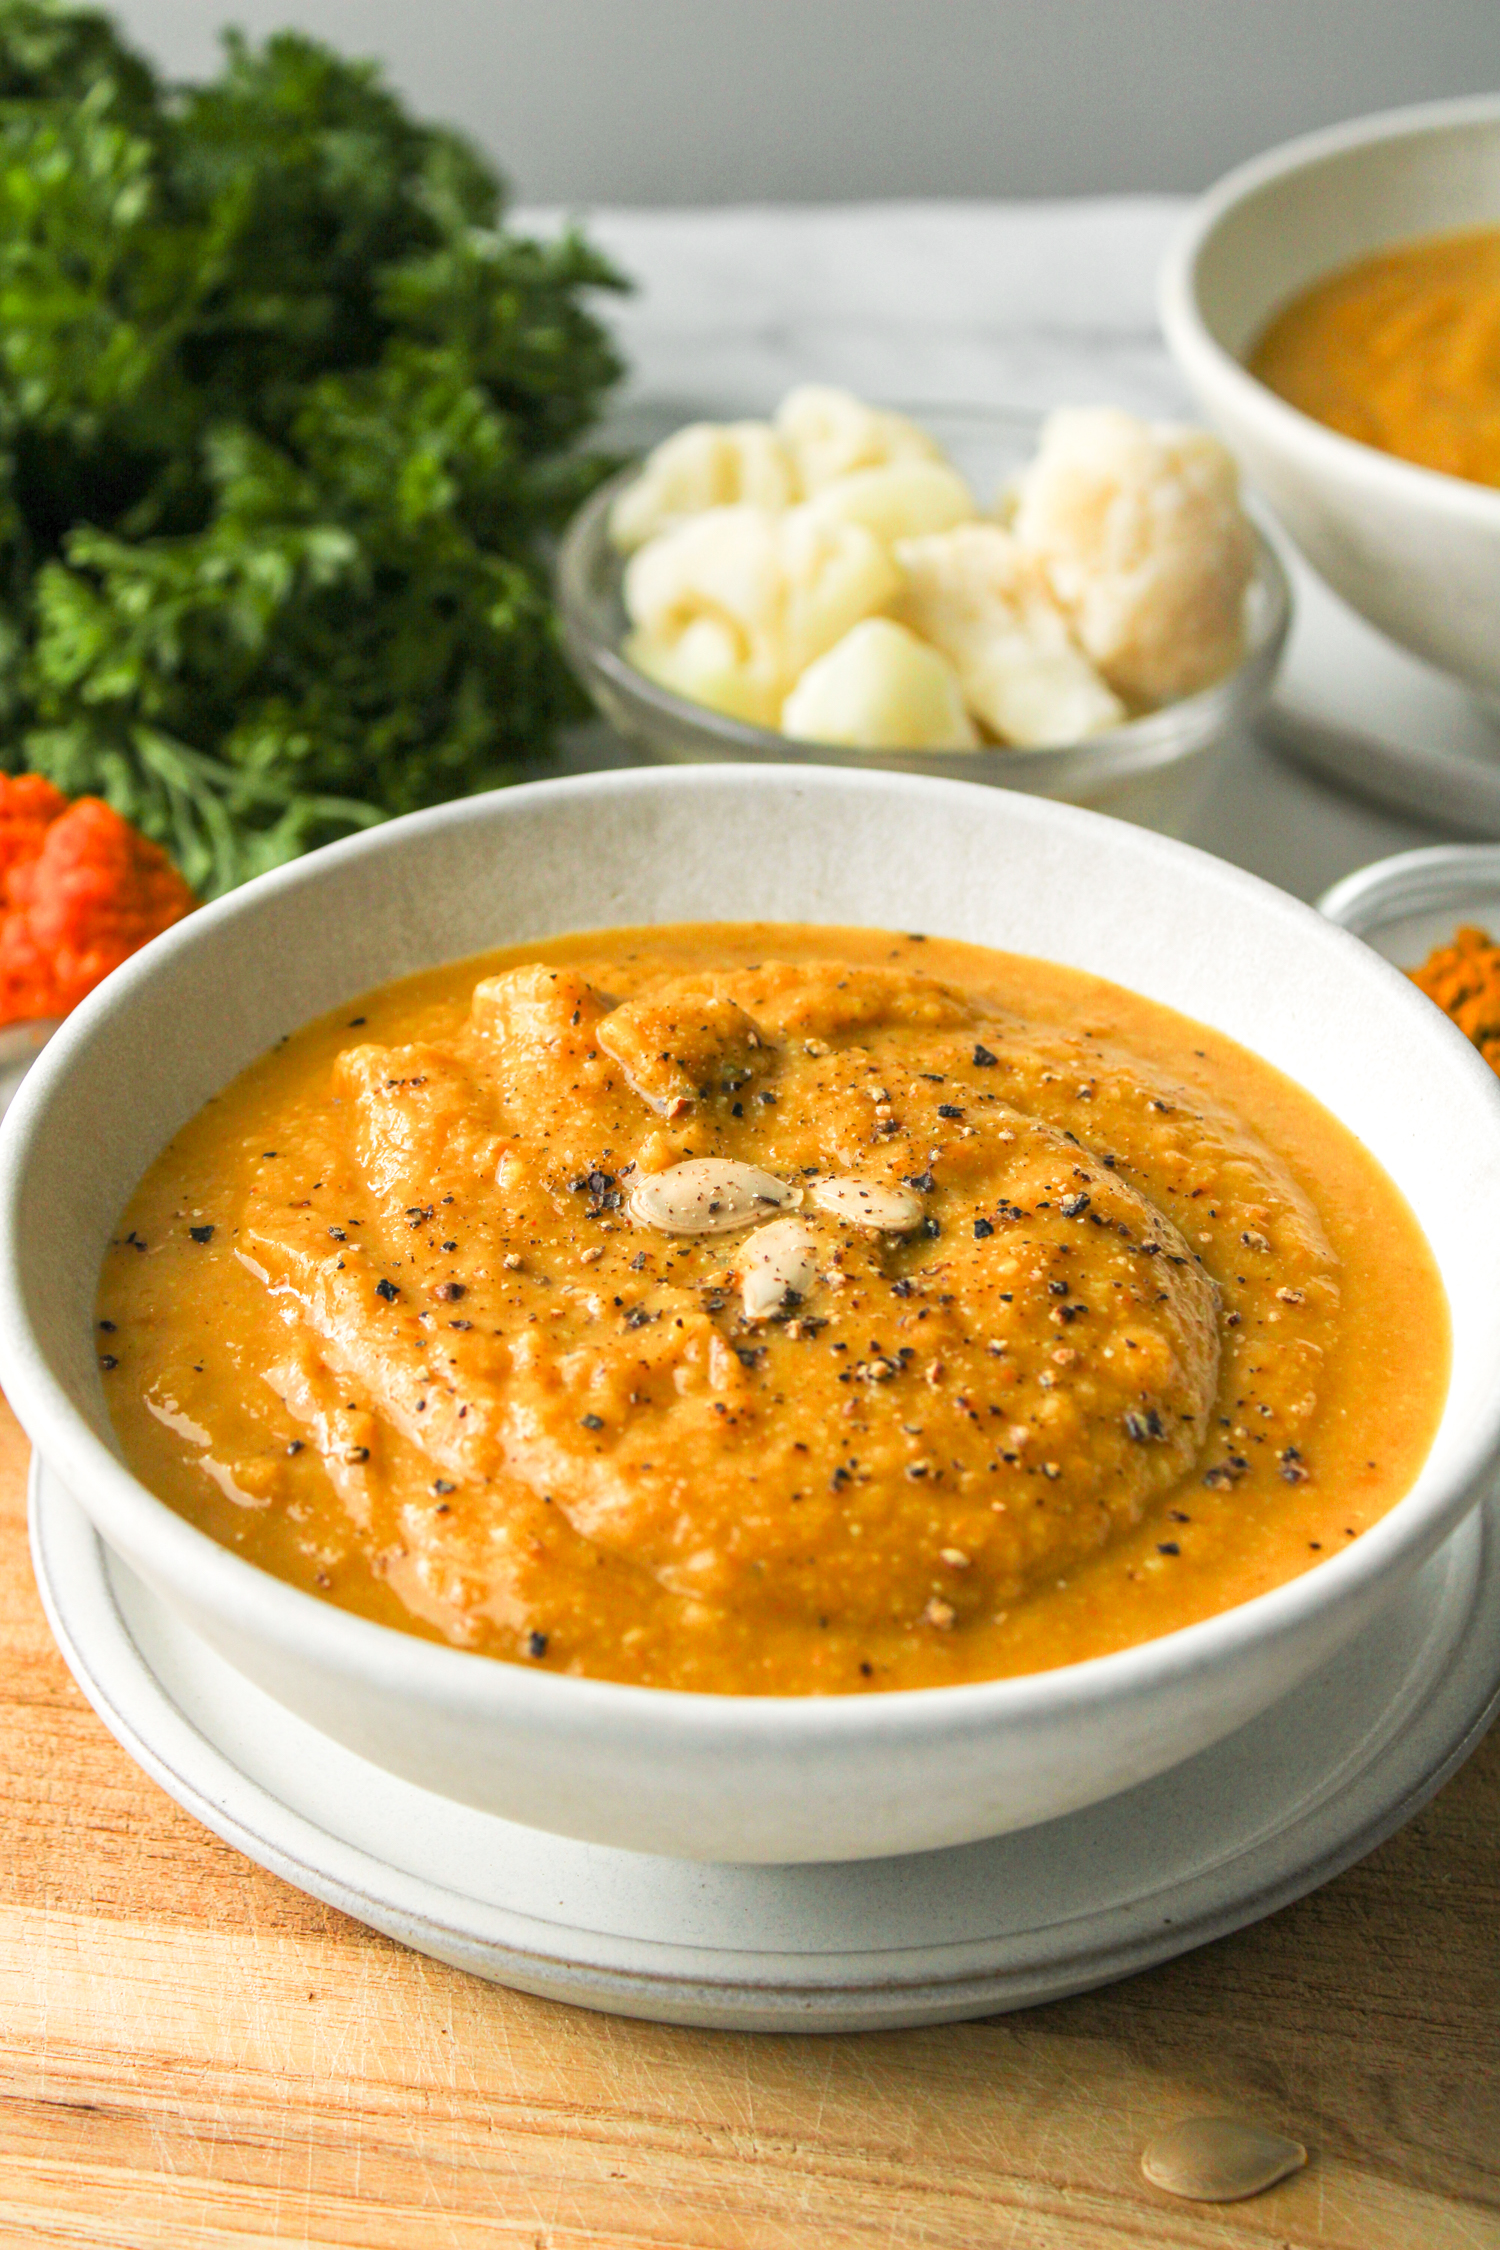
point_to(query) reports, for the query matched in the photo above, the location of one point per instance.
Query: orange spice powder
(1464, 979)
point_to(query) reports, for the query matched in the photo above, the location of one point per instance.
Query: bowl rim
(1192, 339)
(279, 1615)
(1433, 877)
(1140, 746)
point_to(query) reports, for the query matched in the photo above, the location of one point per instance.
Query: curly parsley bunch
(287, 419)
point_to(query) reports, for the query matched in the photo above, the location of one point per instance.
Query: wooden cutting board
(192, 2054)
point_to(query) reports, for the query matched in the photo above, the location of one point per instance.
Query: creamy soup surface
(1001, 1318)
(1402, 351)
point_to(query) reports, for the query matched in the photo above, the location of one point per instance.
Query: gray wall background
(656, 102)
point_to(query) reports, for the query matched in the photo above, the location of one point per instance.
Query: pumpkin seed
(777, 1267)
(868, 1203)
(708, 1195)
(1219, 2159)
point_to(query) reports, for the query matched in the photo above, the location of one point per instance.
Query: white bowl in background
(1413, 550)
(720, 1777)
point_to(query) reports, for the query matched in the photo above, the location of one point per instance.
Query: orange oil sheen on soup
(392, 1318)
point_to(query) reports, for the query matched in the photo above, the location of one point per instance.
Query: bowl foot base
(876, 1944)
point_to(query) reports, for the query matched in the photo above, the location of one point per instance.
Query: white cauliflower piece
(708, 663)
(705, 598)
(830, 433)
(834, 574)
(902, 500)
(981, 600)
(1139, 529)
(706, 465)
(880, 688)
(777, 590)
(722, 562)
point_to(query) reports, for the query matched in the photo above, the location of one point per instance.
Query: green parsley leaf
(288, 421)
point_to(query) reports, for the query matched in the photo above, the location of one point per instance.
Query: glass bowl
(1152, 770)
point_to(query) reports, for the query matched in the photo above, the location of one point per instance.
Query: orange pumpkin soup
(771, 1310)
(1402, 351)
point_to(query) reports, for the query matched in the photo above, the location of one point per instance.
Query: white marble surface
(954, 303)
(1000, 304)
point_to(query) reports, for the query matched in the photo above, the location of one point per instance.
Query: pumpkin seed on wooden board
(1219, 2159)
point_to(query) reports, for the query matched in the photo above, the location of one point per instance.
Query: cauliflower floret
(830, 433)
(709, 663)
(778, 590)
(880, 688)
(1139, 529)
(725, 561)
(903, 500)
(707, 465)
(705, 598)
(835, 574)
(980, 600)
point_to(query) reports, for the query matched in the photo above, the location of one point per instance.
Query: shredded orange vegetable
(80, 890)
(1464, 979)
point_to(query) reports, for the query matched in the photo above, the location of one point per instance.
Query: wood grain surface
(192, 2054)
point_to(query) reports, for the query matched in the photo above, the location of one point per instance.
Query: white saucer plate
(1221, 1841)
(1356, 709)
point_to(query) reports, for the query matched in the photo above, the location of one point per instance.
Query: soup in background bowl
(756, 1776)
(1402, 351)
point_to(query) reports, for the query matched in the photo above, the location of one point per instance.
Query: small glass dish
(1406, 905)
(1152, 770)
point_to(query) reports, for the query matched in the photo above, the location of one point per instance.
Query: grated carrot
(80, 891)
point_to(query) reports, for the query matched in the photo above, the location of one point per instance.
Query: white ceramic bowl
(1414, 551)
(722, 1777)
